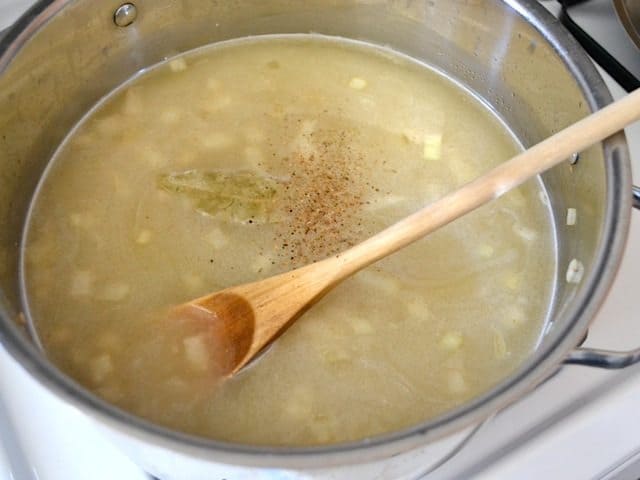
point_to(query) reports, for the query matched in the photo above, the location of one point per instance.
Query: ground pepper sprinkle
(323, 198)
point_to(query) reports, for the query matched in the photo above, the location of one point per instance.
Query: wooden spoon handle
(494, 183)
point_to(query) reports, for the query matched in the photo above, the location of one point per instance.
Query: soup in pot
(249, 158)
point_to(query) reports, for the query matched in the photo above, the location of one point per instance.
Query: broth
(249, 158)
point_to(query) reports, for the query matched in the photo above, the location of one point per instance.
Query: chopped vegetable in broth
(242, 160)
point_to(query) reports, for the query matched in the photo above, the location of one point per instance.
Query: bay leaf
(243, 196)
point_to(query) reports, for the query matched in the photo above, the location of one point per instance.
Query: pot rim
(544, 361)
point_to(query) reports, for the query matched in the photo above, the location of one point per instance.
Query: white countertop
(10, 10)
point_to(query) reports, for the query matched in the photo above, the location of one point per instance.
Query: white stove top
(583, 423)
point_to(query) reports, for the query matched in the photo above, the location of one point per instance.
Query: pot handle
(594, 357)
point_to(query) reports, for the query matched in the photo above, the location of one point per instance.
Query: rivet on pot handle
(593, 357)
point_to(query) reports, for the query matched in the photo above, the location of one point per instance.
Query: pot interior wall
(80, 55)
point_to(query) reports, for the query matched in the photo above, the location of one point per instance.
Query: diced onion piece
(572, 216)
(254, 156)
(178, 65)
(512, 280)
(262, 263)
(299, 404)
(217, 239)
(112, 124)
(485, 251)
(358, 83)
(303, 143)
(116, 292)
(499, 345)
(451, 341)
(215, 102)
(418, 310)
(121, 186)
(61, 335)
(176, 384)
(513, 317)
(81, 220)
(133, 105)
(308, 127)
(524, 232)
(213, 83)
(361, 326)
(101, 367)
(170, 116)
(196, 352)
(432, 146)
(516, 197)
(76, 219)
(217, 141)
(297, 410)
(456, 382)
(575, 271)
(432, 192)
(154, 157)
(193, 281)
(336, 356)
(463, 170)
(220, 102)
(544, 198)
(81, 283)
(162, 196)
(367, 102)
(144, 237)
(412, 136)
(384, 201)
(380, 281)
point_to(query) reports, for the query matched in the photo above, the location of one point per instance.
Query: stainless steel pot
(629, 13)
(64, 55)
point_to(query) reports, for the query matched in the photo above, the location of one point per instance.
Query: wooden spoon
(248, 317)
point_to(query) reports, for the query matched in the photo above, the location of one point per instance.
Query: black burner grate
(600, 54)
